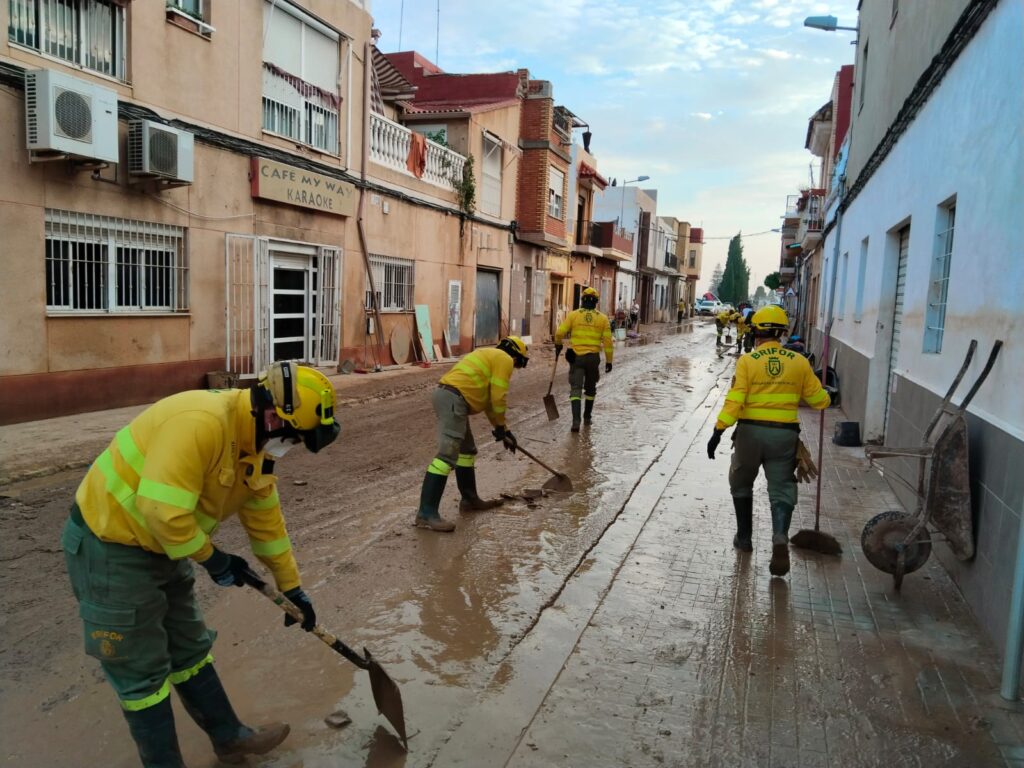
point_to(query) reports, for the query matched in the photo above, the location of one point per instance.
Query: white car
(709, 307)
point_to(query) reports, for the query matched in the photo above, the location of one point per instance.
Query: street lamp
(622, 204)
(826, 23)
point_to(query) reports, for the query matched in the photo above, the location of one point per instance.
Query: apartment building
(690, 247)
(163, 225)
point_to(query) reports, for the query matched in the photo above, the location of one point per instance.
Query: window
(103, 264)
(394, 280)
(862, 269)
(938, 288)
(490, 198)
(300, 77)
(540, 290)
(862, 77)
(88, 33)
(193, 8)
(693, 258)
(842, 286)
(556, 185)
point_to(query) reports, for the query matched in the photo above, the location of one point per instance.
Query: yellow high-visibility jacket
(482, 377)
(724, 318)
(588, 331)
(183, 465)
(768, 386)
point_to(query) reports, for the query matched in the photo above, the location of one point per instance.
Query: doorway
(903, 240)
(528, 308)
(488, 308)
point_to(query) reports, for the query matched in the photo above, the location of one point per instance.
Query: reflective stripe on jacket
(588, 331)
(768, 386)
(169, 478)
(482, 377)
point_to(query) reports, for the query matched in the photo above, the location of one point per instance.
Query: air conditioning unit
(66, 116)
(159, 151)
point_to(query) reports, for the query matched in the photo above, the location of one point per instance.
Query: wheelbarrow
(899, 542)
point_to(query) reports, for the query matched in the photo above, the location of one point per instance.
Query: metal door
(454, 313)
(291, 309)
(246, 278)
(528, 309)
(327, 305)
(897, 316)
(488, 309)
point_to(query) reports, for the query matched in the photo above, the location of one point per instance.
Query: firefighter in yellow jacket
(148, 507)
(766, 390)
(588, 331)
(477, 384)
(722, 321)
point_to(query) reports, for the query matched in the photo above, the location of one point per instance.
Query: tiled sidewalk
(696, 657)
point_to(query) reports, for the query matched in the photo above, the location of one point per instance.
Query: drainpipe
(378, 327)
(1015, 627)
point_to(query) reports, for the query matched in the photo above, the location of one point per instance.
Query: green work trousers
(454, 436)
(140, 616)
(774, 449)
(584, 373)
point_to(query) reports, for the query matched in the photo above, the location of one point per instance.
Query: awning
(588, 172)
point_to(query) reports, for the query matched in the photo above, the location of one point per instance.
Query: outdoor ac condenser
(66, 116)
(159, 151)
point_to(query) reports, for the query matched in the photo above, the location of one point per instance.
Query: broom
(815, 540)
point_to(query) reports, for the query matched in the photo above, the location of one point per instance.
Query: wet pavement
(611, 626)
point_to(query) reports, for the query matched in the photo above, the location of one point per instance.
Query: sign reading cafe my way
(295, 186)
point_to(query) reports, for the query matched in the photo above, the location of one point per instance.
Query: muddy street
(440, 612)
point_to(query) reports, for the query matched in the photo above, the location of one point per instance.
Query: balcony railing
(671, 261)
(389, 146)
(812, 218)
(606, 235)
(792, 207)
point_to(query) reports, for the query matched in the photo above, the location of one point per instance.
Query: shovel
(560, 481)
(549, 399)
(386, 695)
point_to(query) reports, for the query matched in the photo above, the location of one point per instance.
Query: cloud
(773, 53)
(702, 115)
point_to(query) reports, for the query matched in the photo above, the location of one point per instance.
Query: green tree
(735, 285)
(759, 294)
(773, 281)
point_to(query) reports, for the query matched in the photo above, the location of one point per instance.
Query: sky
(710, 98)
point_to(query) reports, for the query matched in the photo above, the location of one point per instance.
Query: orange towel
(416, 162)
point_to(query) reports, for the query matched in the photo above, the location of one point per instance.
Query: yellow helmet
(589, 298)
(591, 292)
(517, 348)
(770, 318)
(304, 399)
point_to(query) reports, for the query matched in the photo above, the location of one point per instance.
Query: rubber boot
(588, 411)
(471, 501)
(781, 516)
(430, 501)
(207, 702)
(744, 524)
(575, 416)
(153, 730)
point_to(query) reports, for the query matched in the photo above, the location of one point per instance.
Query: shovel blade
(559, 483)
(387, 697)
(550, 407)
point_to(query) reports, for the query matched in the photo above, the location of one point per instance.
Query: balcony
(671, 261)
(812, 219)
(615, 243)
(389, 146)
(588, 234)
(792, 213)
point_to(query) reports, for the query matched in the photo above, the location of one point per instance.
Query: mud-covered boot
(471, 502)
(575, 416)
(782, 514)
(588, 412)
(207, 702)
(744, 524)
(155, 737)
(430, 501)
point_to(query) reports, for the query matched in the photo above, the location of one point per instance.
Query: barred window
(395, 280)
(938, 286)
(105, 264)
(88, 33)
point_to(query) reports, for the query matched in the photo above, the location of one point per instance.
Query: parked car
(709, 307)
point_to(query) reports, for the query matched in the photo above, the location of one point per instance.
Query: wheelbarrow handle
(286, 605)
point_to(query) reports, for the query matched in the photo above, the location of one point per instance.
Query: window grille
(105, 264)
(938, 289)
(395, 280)
(88, 33)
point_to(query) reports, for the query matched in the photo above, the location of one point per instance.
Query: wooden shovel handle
(286, 605)
(553, 369)
(529, 455)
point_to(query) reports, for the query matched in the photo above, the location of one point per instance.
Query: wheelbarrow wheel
(884, 534)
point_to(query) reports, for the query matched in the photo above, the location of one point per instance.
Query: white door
(897, 317)
(292, 297)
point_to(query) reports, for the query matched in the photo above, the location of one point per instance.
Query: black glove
(570, 356)
(510, 441)
(499, 433)
(716, 438)
(226, 569)
(558, 350)
(304, 604)
(607, 367)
